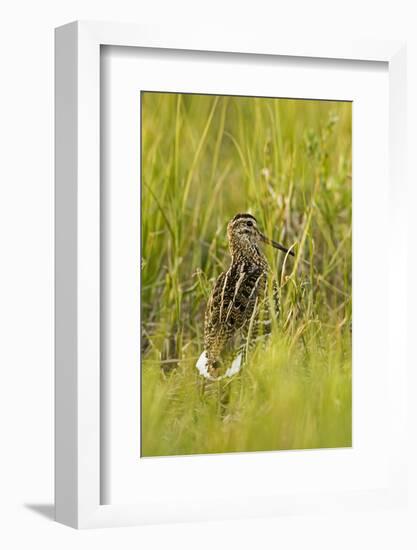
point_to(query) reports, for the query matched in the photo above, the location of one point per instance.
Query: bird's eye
(249, 224)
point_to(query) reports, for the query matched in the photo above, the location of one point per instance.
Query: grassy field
(288, 162)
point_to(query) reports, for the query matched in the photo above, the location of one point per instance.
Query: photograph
(245, 275)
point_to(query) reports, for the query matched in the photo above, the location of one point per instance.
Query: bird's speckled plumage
(239, 310)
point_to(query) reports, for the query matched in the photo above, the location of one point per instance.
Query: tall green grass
(288, 162)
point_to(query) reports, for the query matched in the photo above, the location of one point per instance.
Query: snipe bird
(239, 310)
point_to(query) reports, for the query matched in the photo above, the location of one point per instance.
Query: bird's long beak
(276, 245)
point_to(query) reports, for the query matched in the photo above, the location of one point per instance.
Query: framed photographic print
(227, 344)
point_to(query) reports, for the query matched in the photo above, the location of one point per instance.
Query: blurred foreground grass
(288, 162)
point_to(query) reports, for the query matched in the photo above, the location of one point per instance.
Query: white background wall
(26, 269)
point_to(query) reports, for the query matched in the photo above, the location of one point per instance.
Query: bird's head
(244, 235)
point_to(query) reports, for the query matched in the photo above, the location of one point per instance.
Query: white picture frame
(77, 242)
